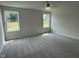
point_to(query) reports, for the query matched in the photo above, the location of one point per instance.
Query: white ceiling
(32, 4)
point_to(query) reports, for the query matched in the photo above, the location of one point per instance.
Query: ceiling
(33, 4)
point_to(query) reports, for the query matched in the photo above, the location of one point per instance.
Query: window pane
(12, 21)
(46, 20)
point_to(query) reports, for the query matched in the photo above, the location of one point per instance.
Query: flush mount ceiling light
(47, 6)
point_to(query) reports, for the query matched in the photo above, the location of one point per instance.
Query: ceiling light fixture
(47, 7)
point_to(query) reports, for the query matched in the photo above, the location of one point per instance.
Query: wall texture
(30, 22)
(65, 20)
(1, 33)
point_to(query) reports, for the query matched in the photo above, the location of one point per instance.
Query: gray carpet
(42, 46)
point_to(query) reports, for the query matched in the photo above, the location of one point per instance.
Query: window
(46, 20)
(12, 20)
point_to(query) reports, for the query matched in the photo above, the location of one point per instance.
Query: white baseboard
(67, 35)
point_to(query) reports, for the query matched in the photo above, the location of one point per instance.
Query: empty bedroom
(39, 29)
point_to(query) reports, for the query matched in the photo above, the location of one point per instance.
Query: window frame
(5, 21)
(49, 20)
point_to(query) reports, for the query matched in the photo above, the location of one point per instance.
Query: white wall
(1, 33)
(31, 22)
(65, 20)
